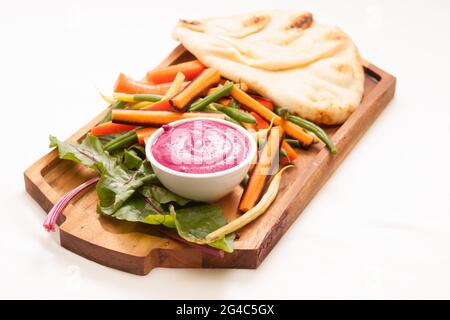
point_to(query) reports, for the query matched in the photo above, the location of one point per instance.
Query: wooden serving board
(138, 248)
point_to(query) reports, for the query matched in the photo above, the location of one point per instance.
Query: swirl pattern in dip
(200, 146)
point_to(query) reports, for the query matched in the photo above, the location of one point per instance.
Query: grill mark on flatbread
(192, 24)
(301, 22)
(255, 20)
(334, 36)
(250, 26)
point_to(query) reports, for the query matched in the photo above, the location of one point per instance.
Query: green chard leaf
(226, 244)
(195, 223)
(117, 185)
(131, 160)
(89, 153)
(162, 195)
(139, 149)
(146, 206)
(139, 208)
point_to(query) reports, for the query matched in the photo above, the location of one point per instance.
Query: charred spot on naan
(344, 68)
(194, 25)
(249, 26)
(256, 20)
(302, 22)
(335, 35)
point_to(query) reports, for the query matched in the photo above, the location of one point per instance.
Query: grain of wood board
(138, 248)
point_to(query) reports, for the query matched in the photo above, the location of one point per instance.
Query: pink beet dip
(200, 146)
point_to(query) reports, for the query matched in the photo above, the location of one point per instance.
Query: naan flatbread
(312, 69)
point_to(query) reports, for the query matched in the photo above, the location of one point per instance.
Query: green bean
(293, 142)
(147, 97)
(115, 105)
(305, 124)
(211, 109)
(197, 101)
(283, 153)
(234, 104)
(230, 119)
(282, 112)
(236, 114)
(122, 140)
(198, 105)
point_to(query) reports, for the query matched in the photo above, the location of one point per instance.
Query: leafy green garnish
(147, 206)
(129, 190)
(142, 209)
(89, 153)
(117, 185)
(195, 223)
(162, 195)
(131, 160)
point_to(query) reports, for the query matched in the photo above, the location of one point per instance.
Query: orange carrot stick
(291, 154)
(297, 132)
(125, 84)
(260, 122)
(225, 101)
(250, 103)
(159, 106)
(175, 88)
(291, 129)
(144, 133)
(156, 118)
(265, 102)
(110, 128)
(190, 69)
(206, 79)
(261, 173)
(249, 126)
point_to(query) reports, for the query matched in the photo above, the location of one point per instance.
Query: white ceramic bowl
(201, 186)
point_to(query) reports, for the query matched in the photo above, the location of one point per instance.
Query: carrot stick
(144, 133)
(265, 102)
(249, 126)
(261, 173)
(110, 128)
(190, 69)
(291, 154)
(205, 80)
(284, 161)
(127, 85)
(297, 132)
(225, 101)
(163, 105)
(175, 88)
(249, 102)
(156, 118)
(260, 122)
(291, 129)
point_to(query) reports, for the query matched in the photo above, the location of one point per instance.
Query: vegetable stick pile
(190, 90)
(165, 96)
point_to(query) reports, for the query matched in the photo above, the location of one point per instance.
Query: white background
(380, 228)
